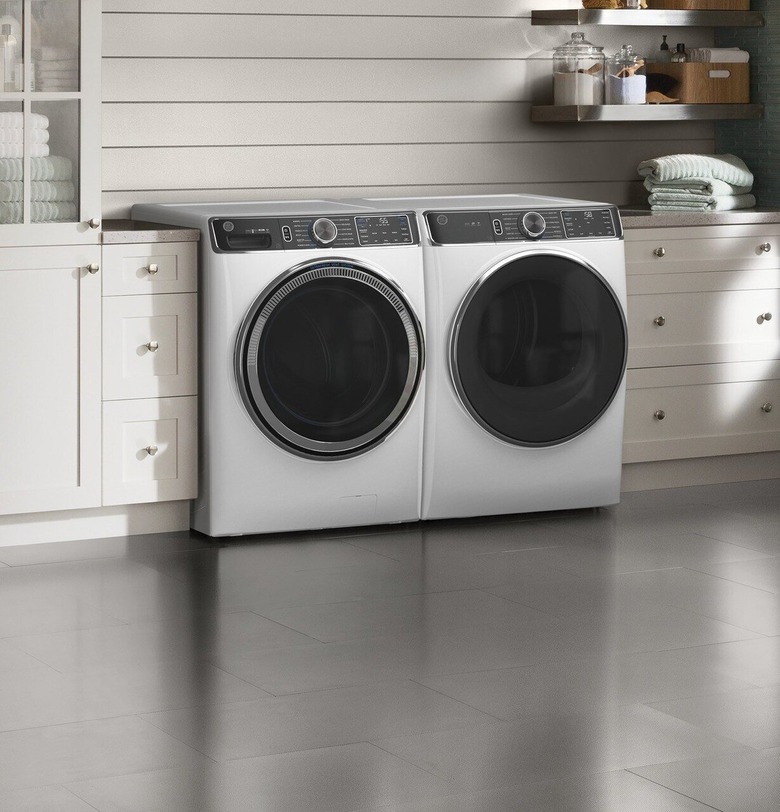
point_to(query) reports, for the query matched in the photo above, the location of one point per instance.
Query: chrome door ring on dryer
(329, 358)
(538, 348)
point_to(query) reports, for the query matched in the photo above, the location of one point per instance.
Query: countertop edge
(130, 231)
(635, 217)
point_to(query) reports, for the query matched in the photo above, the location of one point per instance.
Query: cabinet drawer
(131, 269)
(729, 252)
(149, 450)
(700, 420)
(149, 346)
(703, 327)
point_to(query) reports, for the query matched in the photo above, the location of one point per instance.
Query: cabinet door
(50, 373)
(50, 181)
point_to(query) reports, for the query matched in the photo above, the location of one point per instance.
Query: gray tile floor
(619, 660)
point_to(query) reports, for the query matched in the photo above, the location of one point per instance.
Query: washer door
(329, 359)
(538, 349)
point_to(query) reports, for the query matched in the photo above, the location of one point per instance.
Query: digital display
(584, 223)
(384, 229)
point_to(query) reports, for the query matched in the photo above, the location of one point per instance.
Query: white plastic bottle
(8, 47)
(7, 18)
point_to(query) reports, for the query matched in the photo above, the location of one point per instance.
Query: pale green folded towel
(727, 168)
(683, 202)
(695, 186)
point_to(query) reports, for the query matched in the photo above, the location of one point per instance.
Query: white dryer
(527, 347)
(311, 364)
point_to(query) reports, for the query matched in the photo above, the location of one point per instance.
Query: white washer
(311, 364)
(527, 346)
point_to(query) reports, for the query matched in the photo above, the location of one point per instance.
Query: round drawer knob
(764, 317)
(151, 450)
(660, 414)
(152, 346)
(766, 407)
(660, 321)
(152, 269)
(660, 252)
(93, 267)
(94, 223)
(766, 247)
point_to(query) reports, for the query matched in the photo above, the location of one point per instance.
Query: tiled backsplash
(758, 142)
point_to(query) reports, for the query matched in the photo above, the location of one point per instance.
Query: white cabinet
(149, 372)
(704, 342)
(50, 123)
(50, 373)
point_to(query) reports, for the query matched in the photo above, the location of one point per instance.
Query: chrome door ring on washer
(328, 359)
(538, 348)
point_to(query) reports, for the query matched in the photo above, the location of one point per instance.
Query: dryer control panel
(242, 234)
(523, 225)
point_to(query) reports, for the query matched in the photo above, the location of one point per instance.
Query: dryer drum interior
(329, 359)
(539, 349)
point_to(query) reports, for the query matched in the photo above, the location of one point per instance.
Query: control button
(324, 231)
(287, 233)
(533, 224)
(227, 226)
(442, 220)
(498, 228)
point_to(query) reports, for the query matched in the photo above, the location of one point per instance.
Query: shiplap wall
(269, 99)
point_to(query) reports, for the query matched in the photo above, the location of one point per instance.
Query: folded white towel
(39, 212)
(50, 52)
(718, 55)
(727, 168)
(57, 64)
(47, 191)
(15, 135)
(714, 203)
(54, 167)
(37, 120)
(57, 85)
(55, 73)
(16, 150)
(696, 186)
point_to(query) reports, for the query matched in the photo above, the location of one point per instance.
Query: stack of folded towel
(56, 69)
(698, 183)
(52, 191)
(718, 55)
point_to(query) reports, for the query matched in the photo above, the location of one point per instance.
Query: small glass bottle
(664, 54)
(680, 55)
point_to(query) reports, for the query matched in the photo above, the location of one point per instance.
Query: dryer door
(328, 360)
(538, 349)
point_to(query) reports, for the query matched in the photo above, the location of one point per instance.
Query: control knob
(533, 224)
(324, 231)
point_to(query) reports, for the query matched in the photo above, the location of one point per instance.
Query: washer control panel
(242, 234)
(523, 225)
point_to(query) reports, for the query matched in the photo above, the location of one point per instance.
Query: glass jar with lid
(626, 77)
(578, 72)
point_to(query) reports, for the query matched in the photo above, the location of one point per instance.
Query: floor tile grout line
(632, 770)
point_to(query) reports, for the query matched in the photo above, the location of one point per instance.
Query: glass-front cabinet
(49, 122)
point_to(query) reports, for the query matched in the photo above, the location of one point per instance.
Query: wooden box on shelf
(701, 5)
(706, 82)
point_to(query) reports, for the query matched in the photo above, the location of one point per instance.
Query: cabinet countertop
(128, 231)
(637, 217)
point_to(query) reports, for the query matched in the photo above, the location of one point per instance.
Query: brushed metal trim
(705, 18)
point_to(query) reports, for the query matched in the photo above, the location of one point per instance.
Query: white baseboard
(70, 525)
(646, 476)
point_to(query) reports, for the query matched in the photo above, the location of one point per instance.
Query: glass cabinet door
(49, 121)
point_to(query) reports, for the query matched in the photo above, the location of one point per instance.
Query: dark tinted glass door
(539, 349)
(329, 360)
